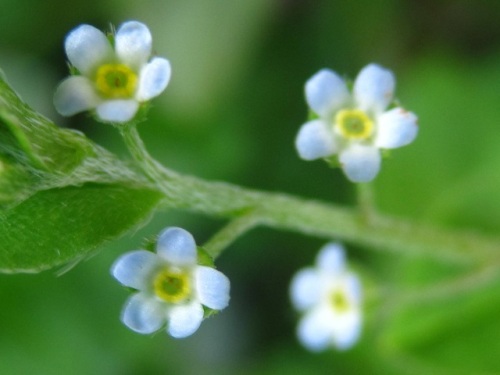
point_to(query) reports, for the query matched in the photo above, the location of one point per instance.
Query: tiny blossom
(330, 298)
(112, 80)
(354, 126)
(171, 287)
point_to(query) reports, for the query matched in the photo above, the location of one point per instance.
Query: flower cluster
(171, 287)
(330, 297)
(113, 81)
(354, 127)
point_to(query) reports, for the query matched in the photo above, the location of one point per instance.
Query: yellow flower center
(116, 81)
(354, 124)
(339, 301)
(172, 286)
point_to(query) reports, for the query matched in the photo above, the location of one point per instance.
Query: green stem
(364, 196)
(228, 234)
(311, 217)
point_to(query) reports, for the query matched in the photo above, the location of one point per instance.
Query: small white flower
(113, 81)
(330, 297)
(171, 286)
(354, 126)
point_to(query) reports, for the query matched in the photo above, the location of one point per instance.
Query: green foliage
(61, 196)
(456, 329)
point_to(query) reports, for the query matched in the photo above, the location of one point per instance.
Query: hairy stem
(320, 219)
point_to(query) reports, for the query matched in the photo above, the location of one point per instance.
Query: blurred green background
(231, 112)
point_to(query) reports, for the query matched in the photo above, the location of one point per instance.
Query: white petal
(346, 329)
(315, 140)
(117, 110)
(87, 47)
(185, 320)
(177, 246)
(396, 128)
(212, 287)
(75, 94)
(154, 77)
(326, 92)
(353, 288)
(306, 289)
(314, 330)
(360, 163)
(134, 268)
(374, 88)
(143, 314)
(133, 43)
(331, 258)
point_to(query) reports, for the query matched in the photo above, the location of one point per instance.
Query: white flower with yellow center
(354, 126)
(113, 81)
(330, 297)
(172, 287)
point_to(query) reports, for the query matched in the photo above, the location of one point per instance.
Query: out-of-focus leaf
(456, 330)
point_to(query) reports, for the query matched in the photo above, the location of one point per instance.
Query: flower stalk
(229, 233)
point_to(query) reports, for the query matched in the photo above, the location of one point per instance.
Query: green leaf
(60, 225)
(456, 330)
(61, 195)
(46, 146)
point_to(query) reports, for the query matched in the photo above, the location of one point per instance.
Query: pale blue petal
(134, 268)
(374, 88)
(133, 43)
(314, 330)
(87, 48)
(120, 110)
(346, 329)
(177, 246)
(154, 78)
(184, 320)
(396, 128)
(212, 287)
(353, 288)
(143, 314)
(360, 163)
(326, 92)
(75, 94)
(331, 258)
(306, 289)
(315, 140)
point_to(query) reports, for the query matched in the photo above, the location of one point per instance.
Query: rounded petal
(315, 140)
(212, 287)
(396, 128)
(326, 92)
(154, 78)
(374, 88)
(331, 258)
(133, 43)
(133, 268)
(87, 47)
(346, 329)
(360, 163)
(305, 289)
(185, 320)
(177, 246)
(143, 314)
(117, 110)
(353, 288)
(314, 330)
(75, 94)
